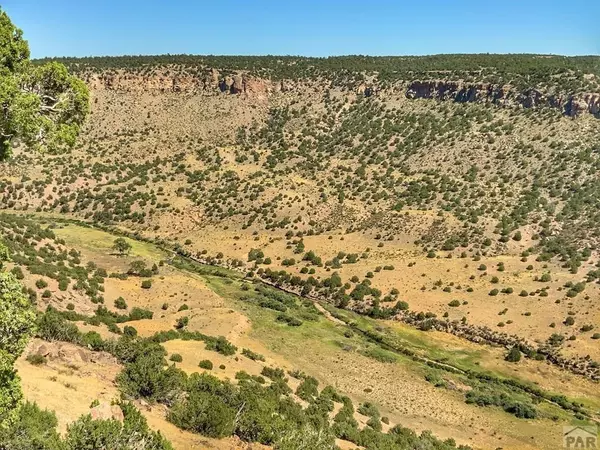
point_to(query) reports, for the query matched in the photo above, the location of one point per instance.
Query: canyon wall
(212, 82)
(570, 105)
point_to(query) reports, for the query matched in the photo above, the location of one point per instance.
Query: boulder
(106, 411)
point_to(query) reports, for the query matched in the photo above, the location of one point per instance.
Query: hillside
(230, 160)
(438, 209)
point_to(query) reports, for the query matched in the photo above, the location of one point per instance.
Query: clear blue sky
(307, 27)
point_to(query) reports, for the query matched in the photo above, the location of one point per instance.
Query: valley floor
(323, 348)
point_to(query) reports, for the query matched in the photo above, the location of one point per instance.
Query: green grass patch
(102, 241)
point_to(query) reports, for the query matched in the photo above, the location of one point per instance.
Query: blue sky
(307, 27)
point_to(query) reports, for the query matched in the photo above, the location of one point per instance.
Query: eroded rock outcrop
(366, 90)
(503, 95)
(106, 411)
(211, 82)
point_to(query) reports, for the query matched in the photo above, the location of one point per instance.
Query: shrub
(308, 389)
(176, 357)
(221, 345)
(32, 428)
(401, 306)
(41, 284)
(291, 321)
(483, 396)
(63, 284)
(521, 410)
(569, 321)
(93, 340)
(368, 409)
(374, 423)
(556, 339)
(454, 303)
(204, 413)
(435, 379)
(87, 433)
(514, 355)
(120, 303)
(36, 359)
(252, 355)
(205, 364)
(381, 355)
(145, 376)
(545, 278)
(182, 322)
(140, 314)
(274, 373)
(113, 328)
(18, 273)
(146, 284)
(575, 289)
(129, 331)
(52, 326)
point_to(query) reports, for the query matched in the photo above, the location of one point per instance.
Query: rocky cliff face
(212, 82)
(167, 81)
(571, 105)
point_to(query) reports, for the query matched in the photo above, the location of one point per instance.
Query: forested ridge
(519, 69)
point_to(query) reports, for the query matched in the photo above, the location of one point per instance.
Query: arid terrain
(420, 234)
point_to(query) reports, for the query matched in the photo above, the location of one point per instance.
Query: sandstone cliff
(213, 82)
(571, 105)
(210, 82)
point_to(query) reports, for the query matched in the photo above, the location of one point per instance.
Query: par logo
(579, 437)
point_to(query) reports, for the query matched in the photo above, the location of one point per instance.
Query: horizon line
(141, 55)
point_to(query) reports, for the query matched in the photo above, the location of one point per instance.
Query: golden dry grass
(399, 389)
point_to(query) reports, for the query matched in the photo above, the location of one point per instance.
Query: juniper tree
(43, 106)
(121, 246)
(17, 324)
